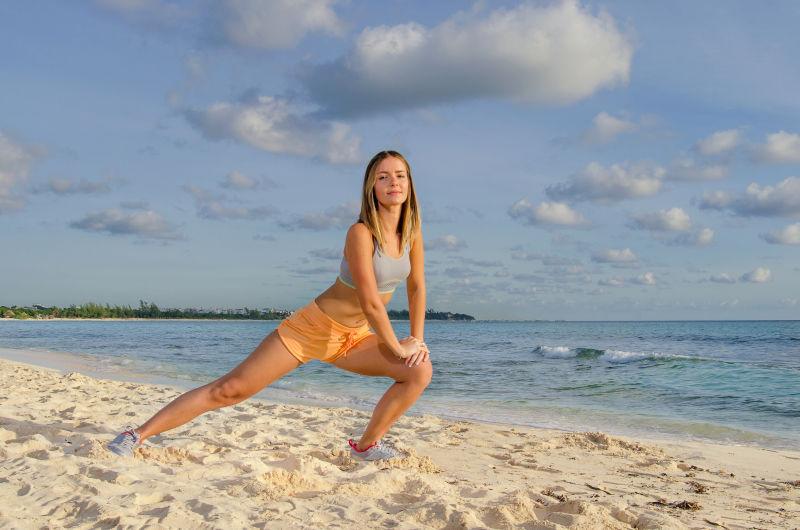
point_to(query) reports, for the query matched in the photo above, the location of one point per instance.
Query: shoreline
(263, 462)
(87, 365)
(83, 363)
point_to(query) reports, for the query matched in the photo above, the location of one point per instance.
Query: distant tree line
(151, 310)
(430, 314)
(145, 310)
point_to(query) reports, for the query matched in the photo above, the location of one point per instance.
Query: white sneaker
(377, 451)
(124, 443)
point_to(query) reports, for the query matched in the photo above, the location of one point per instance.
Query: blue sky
(574, 160)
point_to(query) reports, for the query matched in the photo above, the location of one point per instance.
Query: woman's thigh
(266, 364)
(370, 357)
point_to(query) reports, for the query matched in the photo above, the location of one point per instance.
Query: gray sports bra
(389, 272)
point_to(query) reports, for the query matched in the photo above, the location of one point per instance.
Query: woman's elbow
(371, 305)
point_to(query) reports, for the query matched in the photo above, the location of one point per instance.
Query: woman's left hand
(418, 357)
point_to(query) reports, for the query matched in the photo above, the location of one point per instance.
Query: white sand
(266, 465)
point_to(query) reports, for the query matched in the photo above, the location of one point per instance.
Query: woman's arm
(415, 288)
(358, 251)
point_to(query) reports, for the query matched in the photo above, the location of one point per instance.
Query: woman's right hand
(409, 346)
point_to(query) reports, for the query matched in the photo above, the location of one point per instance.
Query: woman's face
(391, 182)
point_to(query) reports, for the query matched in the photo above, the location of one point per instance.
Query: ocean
(721, 381)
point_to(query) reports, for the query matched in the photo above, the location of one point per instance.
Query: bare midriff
(340, 302)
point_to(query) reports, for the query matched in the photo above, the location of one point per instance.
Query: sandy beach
(262, 464)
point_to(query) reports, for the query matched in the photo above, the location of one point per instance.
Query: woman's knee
(228, 391)
(421, 374)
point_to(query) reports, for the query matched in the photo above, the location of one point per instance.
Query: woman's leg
(267, 363)
(371, 358)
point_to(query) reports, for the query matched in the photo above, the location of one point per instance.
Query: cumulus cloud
(699, 238)
(146, 224)
(719, 143)
(448, 243)
(275, 24)
(648, 278)
(606, 127)
(553, 54)
(238, 181)
(15, 163)
(670, 220)
(758, 275)
(217, 207)
(688, 169)
(275, 125)
(546, 213)
(780, 148)
(340, 216)
(789, 235)
(61, 186)
(780, 200)
(609, 184)
(715, 200)
(723, 277)
(613, 255)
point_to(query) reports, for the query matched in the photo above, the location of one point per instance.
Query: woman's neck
(390, 219)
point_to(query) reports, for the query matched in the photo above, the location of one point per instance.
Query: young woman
(381, 250)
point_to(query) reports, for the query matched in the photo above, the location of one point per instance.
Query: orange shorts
(309, 334)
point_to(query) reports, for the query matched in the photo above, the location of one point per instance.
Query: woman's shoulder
(359, 234)
(358, 230)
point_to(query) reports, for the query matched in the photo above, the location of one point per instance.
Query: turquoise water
(728, 381)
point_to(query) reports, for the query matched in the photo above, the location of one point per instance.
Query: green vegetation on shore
(151, 310)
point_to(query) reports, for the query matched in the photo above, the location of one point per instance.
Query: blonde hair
(410, 218)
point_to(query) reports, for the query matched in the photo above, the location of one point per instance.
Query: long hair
(410, 218)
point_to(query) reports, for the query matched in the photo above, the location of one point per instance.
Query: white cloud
(789, 235)
(546, 213)
(552, 54)
(686, 168)
(340, 216)
(143, 223)
(217, 207)
(275, 24)
(758, 275)
(606, 127)
(716, 200)
(670, 220)
(648, 278)
(700, 238)
(275, 125)
(15, 163)
(780, 148)
(612, 255)
(61, 186)
(781, 200)
(723, 277)
(239, 181)
(719, 143)
(449, 243)
(608, 184)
